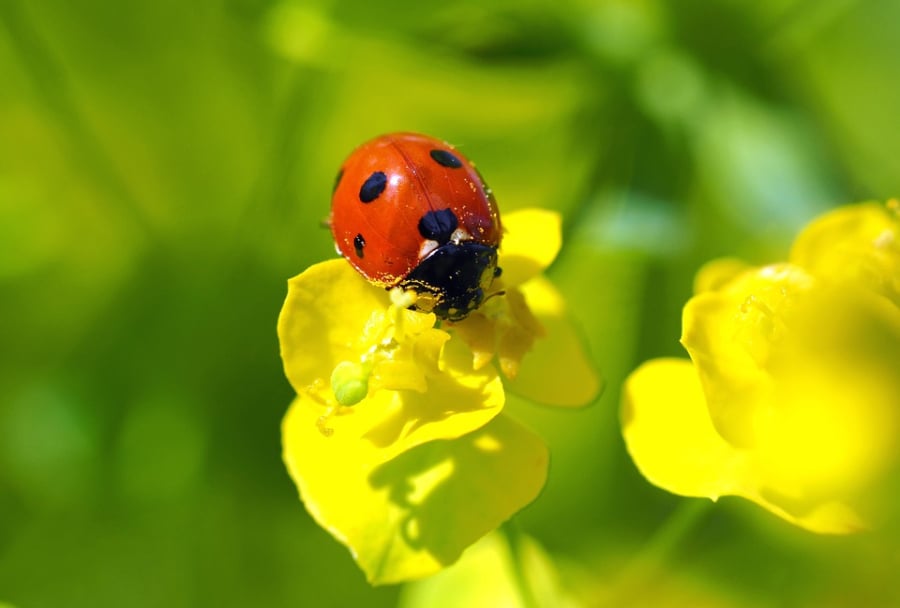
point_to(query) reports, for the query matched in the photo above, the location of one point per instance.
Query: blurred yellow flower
(792, 395)
(396, 439)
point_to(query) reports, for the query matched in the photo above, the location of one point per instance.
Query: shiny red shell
(386, 187)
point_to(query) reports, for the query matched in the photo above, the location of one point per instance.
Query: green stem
(648, 563)
(52, 88)
(514, 536)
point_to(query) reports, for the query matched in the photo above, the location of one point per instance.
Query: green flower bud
(350, 382)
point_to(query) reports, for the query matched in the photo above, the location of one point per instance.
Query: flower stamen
(391, 341)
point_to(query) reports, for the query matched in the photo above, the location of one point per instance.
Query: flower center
(400, 347)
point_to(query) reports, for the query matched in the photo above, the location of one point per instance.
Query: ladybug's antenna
(493, 295)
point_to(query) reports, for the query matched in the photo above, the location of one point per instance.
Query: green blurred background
(166, 166)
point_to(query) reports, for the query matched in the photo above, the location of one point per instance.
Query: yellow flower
(791, 398)
(859, 244)
(396, 439)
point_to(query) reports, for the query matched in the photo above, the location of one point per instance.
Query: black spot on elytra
(359, 244)
(337, 180)
(373, 187)
(438, 225)
(446, 159)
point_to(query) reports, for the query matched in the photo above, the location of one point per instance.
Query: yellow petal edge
(414, 515)
(531, 241)
(672, 440)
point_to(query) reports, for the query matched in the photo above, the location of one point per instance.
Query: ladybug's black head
(456, 276)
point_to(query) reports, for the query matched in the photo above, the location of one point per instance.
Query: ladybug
(409, 210)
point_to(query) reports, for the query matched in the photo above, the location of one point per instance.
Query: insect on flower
(409, 210)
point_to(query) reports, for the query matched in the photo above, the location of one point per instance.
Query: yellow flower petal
(670, 436)
(323, 320)
(393, 422)
(772, 339)
(556, 370)
(413, 515)
(674, 444)
(855, 244)
(716, 274)
(518, 335)
(832, 424)
(531, 240)
(480, 333)
(730, 335)
(504, 327)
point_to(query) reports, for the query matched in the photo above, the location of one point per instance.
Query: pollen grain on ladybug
(430, 224)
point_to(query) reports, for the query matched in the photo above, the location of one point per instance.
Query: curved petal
(730, 335)
(531, 240)
(413, 515)
(856, 244)
(670, 436)
(801, 373)
(557, 370)
(323, 320)
(389, 423)
(456, 403)
(832, 426)
(714, 275)
(671, 439)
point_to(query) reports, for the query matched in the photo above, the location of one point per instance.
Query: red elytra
(410, 210)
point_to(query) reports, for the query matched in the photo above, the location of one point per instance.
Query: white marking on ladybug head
(459, 235)
(427, 247)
